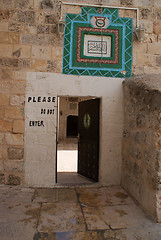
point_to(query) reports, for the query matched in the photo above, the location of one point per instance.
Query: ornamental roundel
(98, 43)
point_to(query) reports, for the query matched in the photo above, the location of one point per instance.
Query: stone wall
(141, 171)
(29, 41)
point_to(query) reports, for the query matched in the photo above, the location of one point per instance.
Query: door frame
(57, 130)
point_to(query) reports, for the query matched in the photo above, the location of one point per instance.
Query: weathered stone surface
(4, 26)
(41, 52)
(5, 126)
(4, 100)
(23, 4)
(157, 27)
(50, 19)
(2, 178)
(146, 13)
(158, 61)
(14, 112)
(51, 66)
(4, 15)
(127, 2)
(6, 50)
(141, 141)
(26, 16)
(16, 27)
(8, 62)
(16, 87)
(13, 166)
(13, 180)
(24, 63)
(17, 100)
(39, 64)
(14, 139)
(15, 153)
(10, 37)
(42, 29)
(46, 5)
(30, 29)
(18, 126)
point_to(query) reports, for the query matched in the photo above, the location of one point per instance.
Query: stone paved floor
(80, 213)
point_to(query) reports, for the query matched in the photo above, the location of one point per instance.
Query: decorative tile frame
(120, 30)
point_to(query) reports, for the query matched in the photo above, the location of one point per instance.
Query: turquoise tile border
(125, 25)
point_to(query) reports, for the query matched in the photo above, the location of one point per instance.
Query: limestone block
(32, 39)
(147, 24)
(127, 2)
(13, 166)
(15, 153)
(140, 47)
(1, 113)
(24, 63)
(2, 178)
(4, 100)
(157, 3)
(14, 112)
(18, 126)
(8, 86)
(4, 62)
(57, 53)
(50, 19)
(20, 75)
(4, 15)
(6, 50)
(39, 17)
(39, 64)
(41, 52)
(23, 51)
(144, 59)
(6, 73)
(14, 180)
(17, 100)
(157, 14)
(43, 29)
(5, 126)
(157, 27)
(14, 139)
(152, 70)
(154, 48)
(51, 66)
(24, 4)
(150, 38)
(10, 37)
(7, 4)
(142, 3)
(4, 26)
(30, 29)
(1, 137)
(111, 2)
(26, 16)
(158, 60)
(146, 13)
(137, 70)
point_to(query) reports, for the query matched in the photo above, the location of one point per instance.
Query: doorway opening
(77, 140)
(72, 126)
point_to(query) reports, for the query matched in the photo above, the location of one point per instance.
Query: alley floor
(78, 213)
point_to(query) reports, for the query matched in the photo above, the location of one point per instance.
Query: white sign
(97, 46)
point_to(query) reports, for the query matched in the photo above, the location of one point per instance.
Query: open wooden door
(88, 145)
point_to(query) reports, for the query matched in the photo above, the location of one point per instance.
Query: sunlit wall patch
(98, 44)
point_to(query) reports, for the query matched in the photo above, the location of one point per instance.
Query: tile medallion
(98, 42)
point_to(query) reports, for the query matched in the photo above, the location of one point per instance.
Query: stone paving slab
(61, 217)
(82, 213)
(103, 196)
(55, 195)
